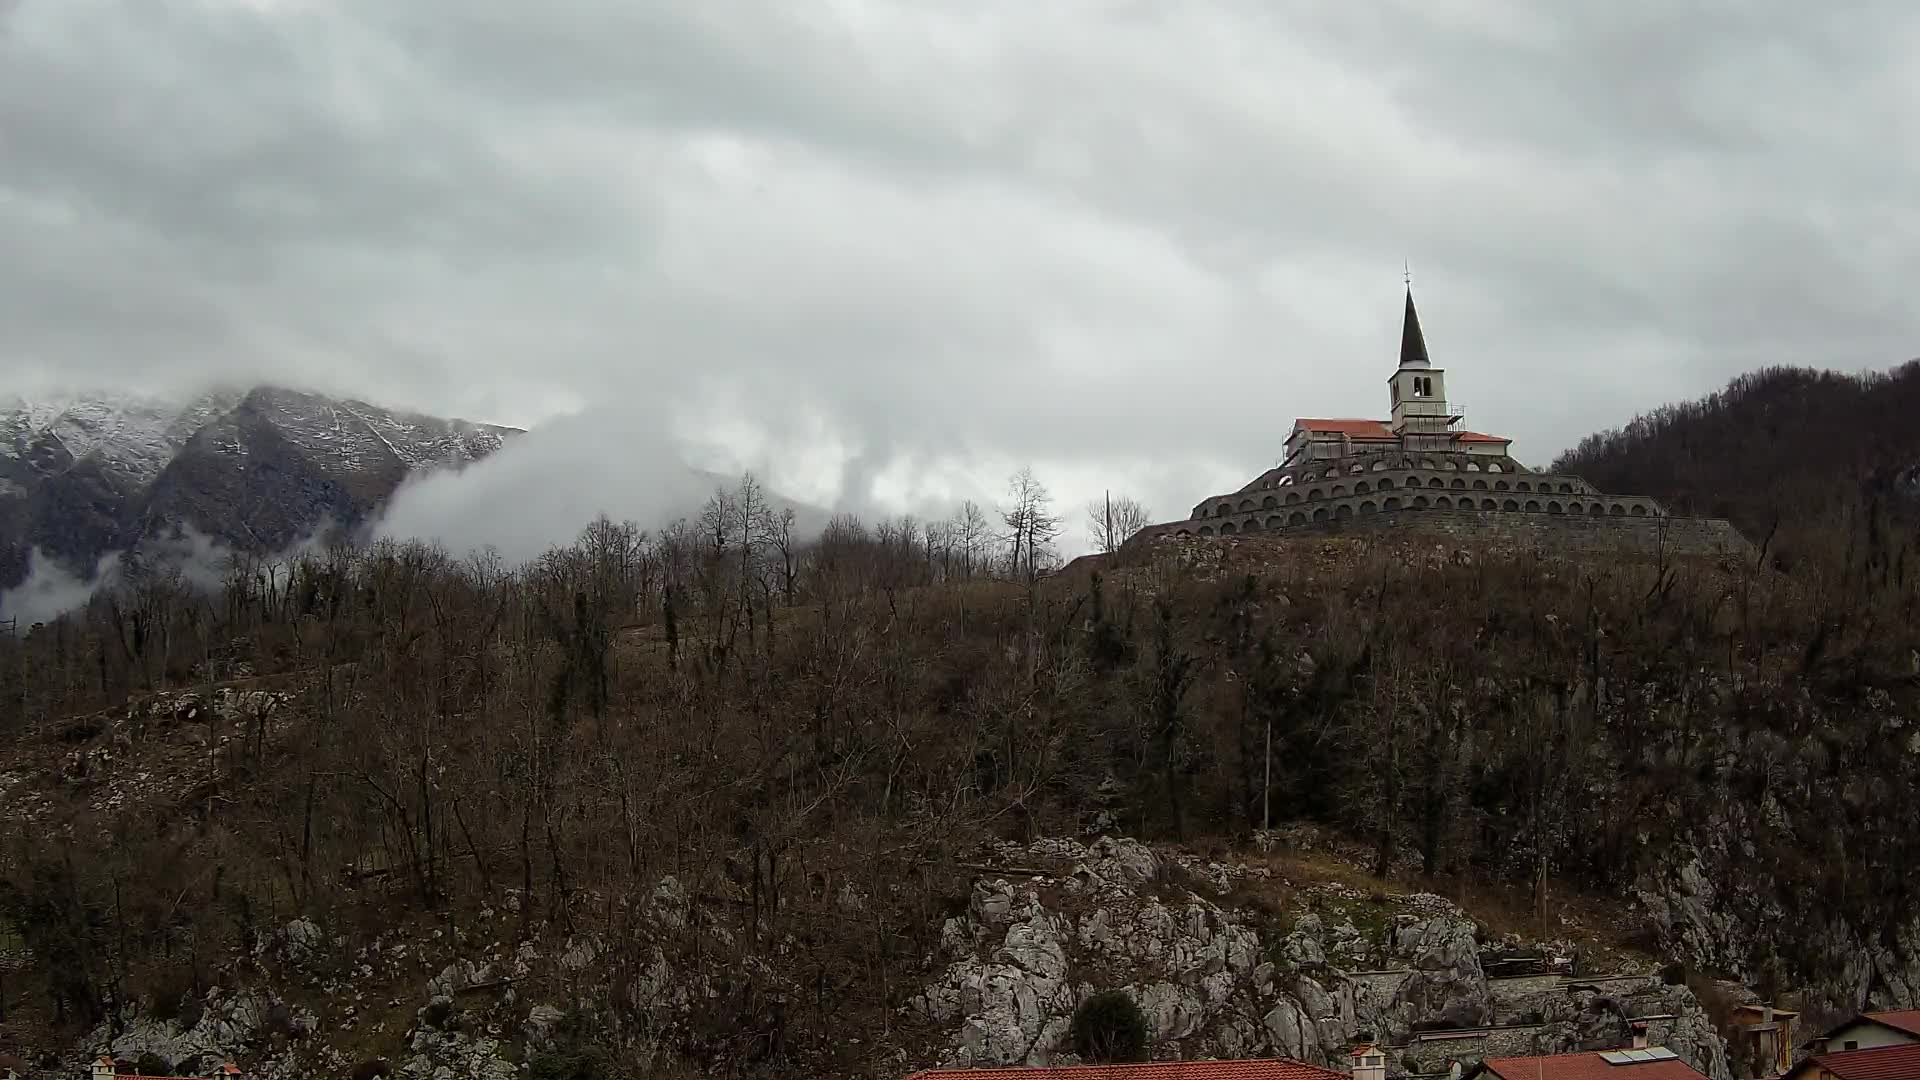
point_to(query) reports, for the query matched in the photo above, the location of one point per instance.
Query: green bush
(1108, 1027)
(152, 1064)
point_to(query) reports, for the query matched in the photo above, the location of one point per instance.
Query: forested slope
(1792, 449)
(394, 737)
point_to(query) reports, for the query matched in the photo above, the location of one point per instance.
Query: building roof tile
(1880, 1063)
(1588, 1066)
(1275, 1069)
(1359, 428)
(1907, 1020)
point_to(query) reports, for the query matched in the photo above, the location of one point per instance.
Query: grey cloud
(910, 246)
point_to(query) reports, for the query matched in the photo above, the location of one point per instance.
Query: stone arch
(1390, 504)
(1224, 509)
(1246, 504)
(1379, 465)
(1617, 510)
(1227, 529)
(1473, 466)
(1343, 512)
(1436, 482)
(1566, 489)
(1269, 503)
(1420, 502)
(1297, 518)
(1554, 507)
(1479, 485)
(1494, 466)
(1292, 497)
(1489, 504)
(1361, 488)
(1499, 485)
(1449, 464)
(1427, 463)
(1458, 483)
(1338, 490)
(1523, 485)
(1595, 510)
(1315, 493)
(1510, 504)
(1638, 511)
(1206, 530)
(1252, 525)
(1386, 483)
(1356, 469)
(1368, 507)
(1320, 514)
(1283, 481)
(1181, 532)
(1274, 522)
(1443, 503)
(1533, 506)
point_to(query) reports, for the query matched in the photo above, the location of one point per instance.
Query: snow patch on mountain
(132, 436)
(135, 437)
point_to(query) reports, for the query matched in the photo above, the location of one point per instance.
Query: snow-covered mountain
(86, 475)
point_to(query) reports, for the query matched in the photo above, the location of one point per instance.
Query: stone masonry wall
(1558, 532)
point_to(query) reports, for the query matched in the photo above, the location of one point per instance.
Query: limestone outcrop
(1216, 980)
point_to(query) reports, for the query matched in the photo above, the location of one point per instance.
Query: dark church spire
(1413, 344)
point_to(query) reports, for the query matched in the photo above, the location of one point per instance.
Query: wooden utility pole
(1266, 782)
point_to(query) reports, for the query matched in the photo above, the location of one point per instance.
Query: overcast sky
(889, 250)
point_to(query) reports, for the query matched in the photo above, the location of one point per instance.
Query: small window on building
(1851, 1045)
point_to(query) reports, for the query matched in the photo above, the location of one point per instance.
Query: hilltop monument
(1422, 469)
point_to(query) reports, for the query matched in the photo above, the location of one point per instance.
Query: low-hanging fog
(885, 254)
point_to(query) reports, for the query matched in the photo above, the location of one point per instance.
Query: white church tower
(1421, 418)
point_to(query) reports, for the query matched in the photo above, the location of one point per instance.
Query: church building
(1420, 458)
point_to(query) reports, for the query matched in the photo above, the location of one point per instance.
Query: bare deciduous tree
(1031, 526)
(1112, 521)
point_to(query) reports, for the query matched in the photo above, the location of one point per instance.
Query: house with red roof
(1650, 1063)
(1899, 1061)
(1872, 1030)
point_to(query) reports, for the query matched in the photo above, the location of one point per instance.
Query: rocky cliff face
(1214, 982)
(85, 477)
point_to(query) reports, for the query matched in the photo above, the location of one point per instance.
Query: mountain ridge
(87, 475)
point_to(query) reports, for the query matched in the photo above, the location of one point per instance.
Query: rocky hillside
(700, 800)
(1285, 948)
(84, 477)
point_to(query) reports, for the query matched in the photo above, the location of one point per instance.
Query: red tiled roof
(1377, 429)
(1359, 429)
(1587, 1066)
(1278, 1069)
(1881, 1063)
(1907, 1020)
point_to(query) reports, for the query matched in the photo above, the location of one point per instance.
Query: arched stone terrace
(1359, 506)
(1356, 487)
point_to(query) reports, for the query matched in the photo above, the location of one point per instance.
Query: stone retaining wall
(1558, 532)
